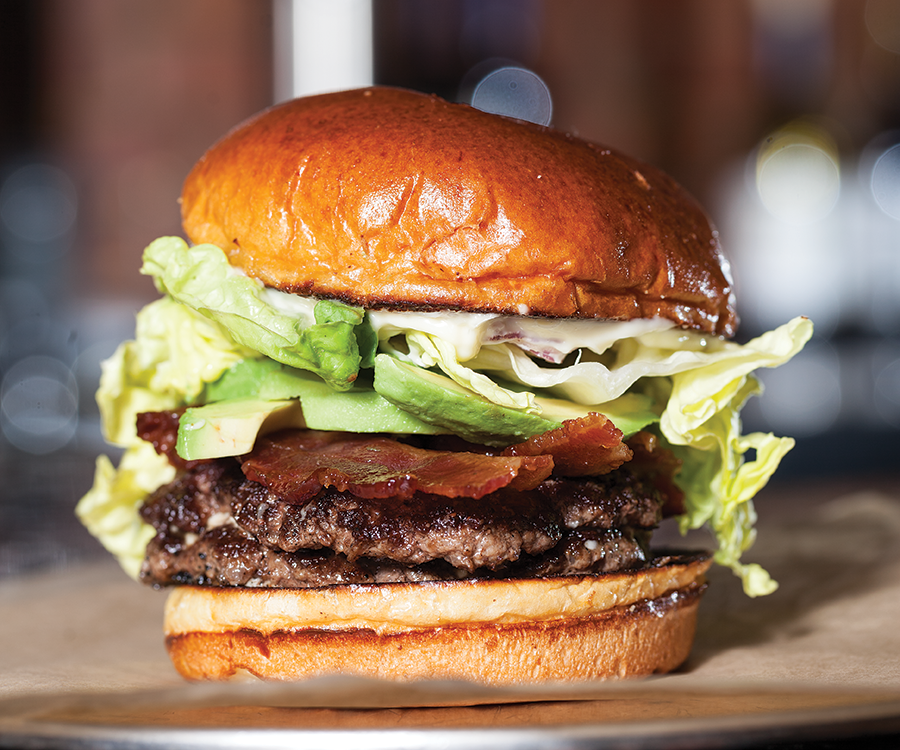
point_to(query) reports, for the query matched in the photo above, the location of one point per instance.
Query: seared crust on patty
(217, 528)
(467, 533)
(228, 556)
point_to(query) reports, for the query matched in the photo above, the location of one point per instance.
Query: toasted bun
(389, 198)
(492, 632)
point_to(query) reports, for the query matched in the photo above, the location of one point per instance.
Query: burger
(420, 385)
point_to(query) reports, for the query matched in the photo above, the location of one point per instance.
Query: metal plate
(646, 716)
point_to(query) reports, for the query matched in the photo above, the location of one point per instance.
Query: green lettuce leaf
(719, 475)
(110, 508)
(202, 278)
(175, 353)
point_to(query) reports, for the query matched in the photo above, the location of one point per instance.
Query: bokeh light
(514, 92)
(883, 23)
(876, 233)
(39, 405)
(886, 181)
(798, 174)
(38, 207)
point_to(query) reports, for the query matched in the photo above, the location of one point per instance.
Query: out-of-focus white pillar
(322, 45)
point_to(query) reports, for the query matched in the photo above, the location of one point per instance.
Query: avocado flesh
(438, 400)
(360, 409)
(257, 396)
(230, 428)
(257, 378)
(630, 412)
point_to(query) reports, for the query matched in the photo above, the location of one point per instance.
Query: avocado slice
(259, 377)
(440, 401)
(630, 412)
(229, 428)
(360, 409)
(260, 395)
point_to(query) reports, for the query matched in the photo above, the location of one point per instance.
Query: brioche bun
(489, 631)
(390, 198)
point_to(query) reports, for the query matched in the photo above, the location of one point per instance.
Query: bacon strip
(587, 446)
(296, 464)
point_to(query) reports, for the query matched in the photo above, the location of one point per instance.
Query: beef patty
(215, 527)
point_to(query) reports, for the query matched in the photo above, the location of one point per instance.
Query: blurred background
(781, 116)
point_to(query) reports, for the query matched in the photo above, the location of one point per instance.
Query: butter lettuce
(110, 508)
(702, 422)
(201, 277)
(720, 482)
(175, 353)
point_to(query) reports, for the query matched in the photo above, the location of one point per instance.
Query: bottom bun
(497, 632)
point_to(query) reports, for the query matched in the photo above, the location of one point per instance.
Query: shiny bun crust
(528, 631)
(389, 198)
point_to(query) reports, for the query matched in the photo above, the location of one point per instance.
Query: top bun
(389, 198)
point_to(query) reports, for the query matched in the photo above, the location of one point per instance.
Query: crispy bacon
(296, 464)
(587, 446)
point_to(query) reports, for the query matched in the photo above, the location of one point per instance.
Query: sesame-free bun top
(383, 197)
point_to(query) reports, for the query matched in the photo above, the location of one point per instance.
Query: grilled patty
(215, 527)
